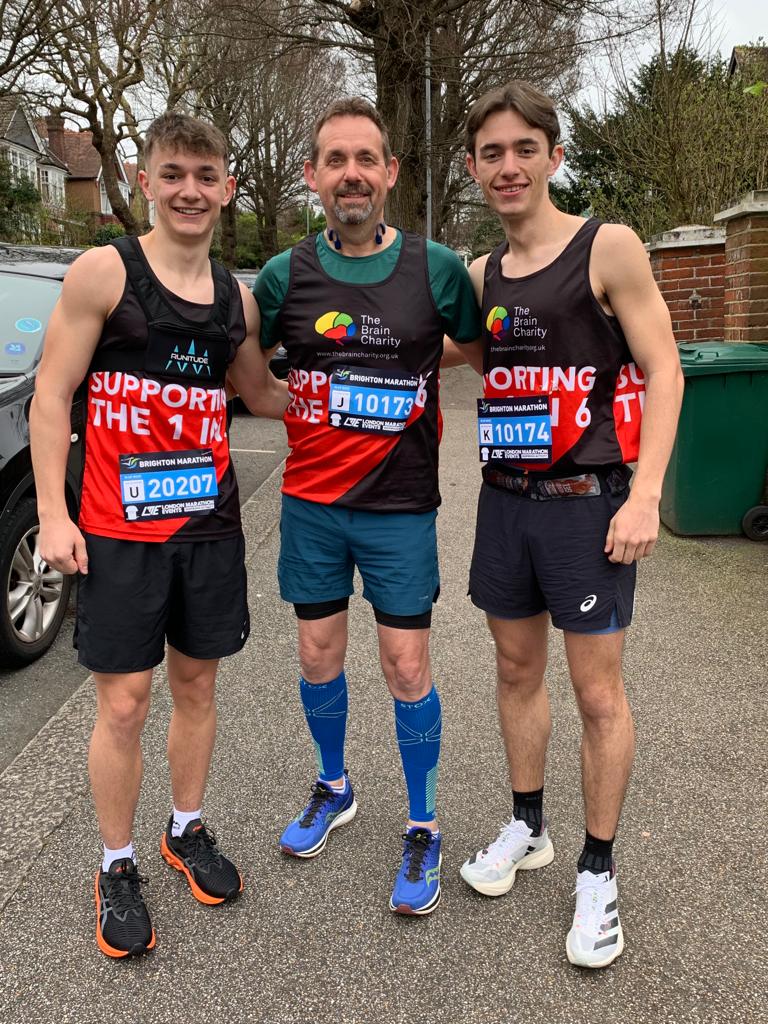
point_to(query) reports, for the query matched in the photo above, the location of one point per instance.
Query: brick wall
(746, 269)
(689, 266)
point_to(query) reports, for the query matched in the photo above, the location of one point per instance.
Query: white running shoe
(492, 871)
(596, 938)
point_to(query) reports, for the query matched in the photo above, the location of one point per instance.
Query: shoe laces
(417, 845)
(590, 900)
(124, 889)
(200, 846)
(512, 834)
(321, 795)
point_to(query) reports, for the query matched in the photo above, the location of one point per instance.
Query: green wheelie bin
(716, 478)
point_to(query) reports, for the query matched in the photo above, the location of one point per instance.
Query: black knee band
(321, 609)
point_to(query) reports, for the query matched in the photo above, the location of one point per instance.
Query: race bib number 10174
(515, 429)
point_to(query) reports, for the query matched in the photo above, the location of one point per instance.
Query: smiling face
(188, 190)
(512, 164)
(351, 175)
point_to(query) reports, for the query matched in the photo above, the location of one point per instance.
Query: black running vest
(574, 396)
(363, 422)
(157, 464)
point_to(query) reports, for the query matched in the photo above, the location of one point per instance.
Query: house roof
(83, 159)
(9, 104)
(752, 59)
(51, 159)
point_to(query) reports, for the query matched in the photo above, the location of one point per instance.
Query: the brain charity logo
(498, 321)
(338, 326)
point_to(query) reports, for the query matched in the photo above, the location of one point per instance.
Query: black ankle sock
(597, 855)
(527, 807)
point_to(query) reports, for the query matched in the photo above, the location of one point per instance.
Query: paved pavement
(314, 942)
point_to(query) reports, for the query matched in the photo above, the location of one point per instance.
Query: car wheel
(34, 597)
(755, 523)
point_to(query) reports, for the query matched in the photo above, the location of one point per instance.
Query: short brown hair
(175, 131)
(350, 106)
(533, 106)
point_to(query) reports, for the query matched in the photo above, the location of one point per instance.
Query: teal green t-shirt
(452, 289)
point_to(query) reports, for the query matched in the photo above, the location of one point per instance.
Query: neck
(359, 239)
(541, 225)
(183, 256)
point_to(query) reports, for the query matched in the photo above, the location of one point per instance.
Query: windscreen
(26, 304)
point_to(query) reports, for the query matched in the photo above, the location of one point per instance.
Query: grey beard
(355, 215)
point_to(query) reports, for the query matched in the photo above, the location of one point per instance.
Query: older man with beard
(361, 309)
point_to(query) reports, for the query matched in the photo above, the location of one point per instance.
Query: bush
(105, 234)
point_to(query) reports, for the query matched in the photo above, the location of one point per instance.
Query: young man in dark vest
(580, 377)
(361, 309)
(153, 327)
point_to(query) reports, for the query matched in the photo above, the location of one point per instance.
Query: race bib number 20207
(166, 485)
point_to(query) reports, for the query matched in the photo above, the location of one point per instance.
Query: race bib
(165, 485)
(514, 429)
(371, 401)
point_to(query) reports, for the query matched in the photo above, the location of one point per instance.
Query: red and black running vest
(157, 463)
(364, 422)
(574, 396)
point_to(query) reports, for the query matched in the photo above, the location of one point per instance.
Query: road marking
(255, 451)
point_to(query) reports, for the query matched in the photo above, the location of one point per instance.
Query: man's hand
(633, 531)
(62, 546)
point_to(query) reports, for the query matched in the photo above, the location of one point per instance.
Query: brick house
(29, 154)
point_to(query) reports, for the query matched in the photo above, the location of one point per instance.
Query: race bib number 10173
(371, 401)
(515, 429)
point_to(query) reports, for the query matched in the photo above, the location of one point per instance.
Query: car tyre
(34, 597)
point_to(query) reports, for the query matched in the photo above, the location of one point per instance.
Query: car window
(26, 304)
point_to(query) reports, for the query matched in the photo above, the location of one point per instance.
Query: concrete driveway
(314, 942)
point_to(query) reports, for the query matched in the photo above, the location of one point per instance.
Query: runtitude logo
(498, 321)
(337, 326)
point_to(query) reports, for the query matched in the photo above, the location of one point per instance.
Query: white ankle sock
(112, 855)
(181, 819)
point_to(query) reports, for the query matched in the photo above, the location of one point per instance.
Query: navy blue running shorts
(137, 594)
(534, 556)
(395, 552)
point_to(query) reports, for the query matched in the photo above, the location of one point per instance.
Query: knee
(124, 715)
(320, 660)
(520, 671)
(194, 691)
(408, 677)
(601, 703)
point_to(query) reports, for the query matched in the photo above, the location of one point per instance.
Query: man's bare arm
(622, 267)
(92, 287)
(249, 374)
(459, 353)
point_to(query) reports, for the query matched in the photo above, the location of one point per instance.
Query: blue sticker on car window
(15, 348)
(28, 325)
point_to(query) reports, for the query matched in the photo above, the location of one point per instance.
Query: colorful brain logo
(335, 325)
(498, 321)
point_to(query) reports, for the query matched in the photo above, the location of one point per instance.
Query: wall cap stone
(687, 236)
(750, 202)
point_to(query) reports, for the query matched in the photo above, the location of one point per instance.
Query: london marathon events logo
(498, 321)
(339, 327)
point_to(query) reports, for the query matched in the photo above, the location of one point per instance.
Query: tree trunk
(106, 144)
(229, 235)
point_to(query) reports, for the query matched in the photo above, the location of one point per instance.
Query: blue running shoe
(307, 834)
(417, 886)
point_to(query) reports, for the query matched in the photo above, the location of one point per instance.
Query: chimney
(55, 125)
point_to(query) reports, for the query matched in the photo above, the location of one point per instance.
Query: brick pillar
(746, 268)
(688, 263)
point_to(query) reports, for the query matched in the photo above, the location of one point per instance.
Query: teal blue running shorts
(395, 553)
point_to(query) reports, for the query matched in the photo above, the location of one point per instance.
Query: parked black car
(33, 597)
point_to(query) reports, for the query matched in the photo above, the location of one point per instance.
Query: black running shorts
(137, 594)
(534, 556)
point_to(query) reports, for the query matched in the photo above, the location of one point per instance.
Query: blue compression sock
(325, 705)
(419, 726)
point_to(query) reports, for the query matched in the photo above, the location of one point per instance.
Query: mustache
(354, 190)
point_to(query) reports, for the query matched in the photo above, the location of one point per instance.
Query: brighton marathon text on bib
(371, 401)
(514, 429)
(164, 485)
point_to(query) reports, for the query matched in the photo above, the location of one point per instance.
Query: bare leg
(523, 703)
(114, 758)
(192, 731)
(608, 741)
(322, 649)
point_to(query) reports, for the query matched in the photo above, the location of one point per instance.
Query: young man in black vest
(153, 327)
(361, 309)
(581, 376)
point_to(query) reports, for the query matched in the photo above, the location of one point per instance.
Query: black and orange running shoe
(123, 927)
(212, 878)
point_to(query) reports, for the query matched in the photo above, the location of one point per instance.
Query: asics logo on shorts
(588, 603)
